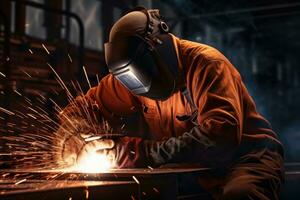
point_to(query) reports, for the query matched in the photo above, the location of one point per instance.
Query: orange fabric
(256, 175)
(225, 108)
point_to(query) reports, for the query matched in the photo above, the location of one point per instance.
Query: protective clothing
(141, 54)
(226, 129)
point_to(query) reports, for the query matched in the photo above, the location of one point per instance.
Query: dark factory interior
(53, 51)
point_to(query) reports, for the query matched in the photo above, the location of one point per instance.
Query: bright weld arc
(93, 163)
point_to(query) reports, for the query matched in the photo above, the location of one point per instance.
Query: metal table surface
(161, 183)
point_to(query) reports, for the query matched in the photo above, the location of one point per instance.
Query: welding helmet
(141, 54)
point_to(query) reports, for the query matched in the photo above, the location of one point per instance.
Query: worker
(175, 101)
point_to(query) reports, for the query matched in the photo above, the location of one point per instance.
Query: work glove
(70, 141)
(70, 149)
(120, 152)
(97, 149)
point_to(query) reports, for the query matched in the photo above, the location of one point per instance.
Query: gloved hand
(122, 152)
(70, 149)
(101, 147)
(70, 142)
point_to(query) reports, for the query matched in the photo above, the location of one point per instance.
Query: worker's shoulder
(201, 55)
(205, 52)
(107, 78)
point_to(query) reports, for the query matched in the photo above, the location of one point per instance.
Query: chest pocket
(187, 118)
(183, 122)
(150, 111)
(154, 121)
(185, 115)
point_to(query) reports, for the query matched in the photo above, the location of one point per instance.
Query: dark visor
(129, 60)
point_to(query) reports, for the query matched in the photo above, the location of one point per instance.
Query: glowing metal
(94, 163)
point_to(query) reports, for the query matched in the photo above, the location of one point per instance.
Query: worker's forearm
(136, 152)
(177, 149)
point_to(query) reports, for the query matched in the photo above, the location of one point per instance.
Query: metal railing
(69, 15)
(6, 60)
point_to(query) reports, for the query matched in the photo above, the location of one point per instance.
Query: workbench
(113, 184)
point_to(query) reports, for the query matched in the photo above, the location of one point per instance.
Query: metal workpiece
(113, 184)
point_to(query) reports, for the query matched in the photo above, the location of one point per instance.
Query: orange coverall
(243, 140)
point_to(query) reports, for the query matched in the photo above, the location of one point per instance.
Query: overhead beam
(239, 11)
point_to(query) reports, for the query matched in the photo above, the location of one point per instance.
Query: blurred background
(261, 38)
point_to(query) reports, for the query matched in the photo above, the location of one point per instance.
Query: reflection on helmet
(132, 82)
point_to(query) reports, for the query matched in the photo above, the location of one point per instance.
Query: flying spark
(70, 58)
(26, 73)
(31, 138)
(6, 111)
(18, 92)
(86, 76)
(135, 179)
(98, 81)
(21, 181)
(92, 138)
(30, 51)
(2, 74)
(45, 49)
(132, 197)
(86, 194)
(155, 190)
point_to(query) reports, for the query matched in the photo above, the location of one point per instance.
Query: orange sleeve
(110, 99)
(113, 97)
(81, 106)
(86, 114)
(214, 88)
